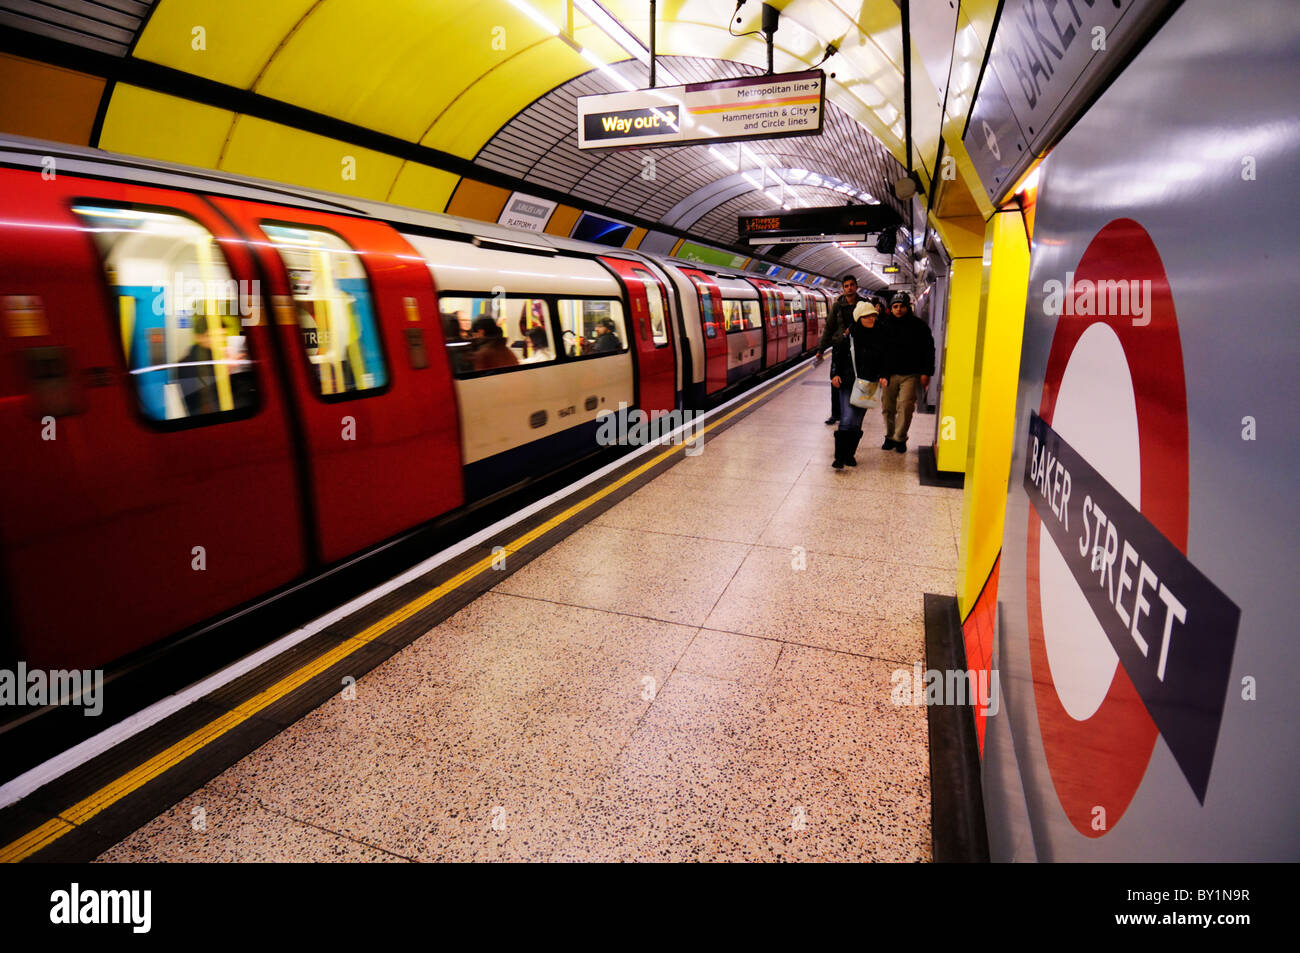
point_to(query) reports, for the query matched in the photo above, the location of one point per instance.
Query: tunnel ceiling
(494, 82)
(696, 188)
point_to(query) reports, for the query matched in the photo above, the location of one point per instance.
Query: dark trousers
(835, 401)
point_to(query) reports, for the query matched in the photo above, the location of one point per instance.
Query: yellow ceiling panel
(270, 151)
(423, 187)
(479, 112)
(144, 123)
(228, 42)
(397, 71)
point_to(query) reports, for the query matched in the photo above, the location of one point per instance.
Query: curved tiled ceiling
(455, 76)
(539, 145)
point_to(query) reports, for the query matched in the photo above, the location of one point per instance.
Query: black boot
(888, 444)
(838, 462)
(851, 441)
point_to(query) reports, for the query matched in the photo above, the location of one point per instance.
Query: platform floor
(664, 684)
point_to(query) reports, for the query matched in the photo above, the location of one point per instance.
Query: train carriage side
(538, 345)
(147, 464)
(356, 316)
(743, 325)
(702, 315)
(797, 320)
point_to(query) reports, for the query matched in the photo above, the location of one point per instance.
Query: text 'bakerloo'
(1172, 628)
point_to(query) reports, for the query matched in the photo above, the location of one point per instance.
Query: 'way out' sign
(753, 107)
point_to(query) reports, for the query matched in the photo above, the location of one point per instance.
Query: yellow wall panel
(47, 102)
(634, 240)
(474, 199)
(562, 220)
(144, 123)
(423, 187)
(954, 429)
(238, 36)
(993, 402)
(271, 151)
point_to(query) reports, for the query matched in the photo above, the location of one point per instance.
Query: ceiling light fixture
(612, 28)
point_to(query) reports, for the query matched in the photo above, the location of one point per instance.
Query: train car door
(715, 338)
(356, 312)
(147, 469)
(795, 333)
(773, 324)
(655, 358)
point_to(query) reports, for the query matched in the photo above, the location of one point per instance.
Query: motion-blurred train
(212, 386)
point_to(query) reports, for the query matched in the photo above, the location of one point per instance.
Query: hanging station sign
(752, 107)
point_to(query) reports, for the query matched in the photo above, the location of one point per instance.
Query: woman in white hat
(859, 355)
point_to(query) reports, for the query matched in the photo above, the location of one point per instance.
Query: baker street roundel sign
(1128, 641)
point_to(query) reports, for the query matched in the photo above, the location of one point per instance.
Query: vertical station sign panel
(1145, 626)
(752, 107)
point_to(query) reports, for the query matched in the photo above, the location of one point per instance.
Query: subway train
(213, 387)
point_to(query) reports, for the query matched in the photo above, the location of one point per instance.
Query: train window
(336, 313)
(658, 321)
(486, 333)
(740, 315)
(592, 326)
(707, 316)
(178, 311)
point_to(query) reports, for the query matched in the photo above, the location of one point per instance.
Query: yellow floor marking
(115, 790)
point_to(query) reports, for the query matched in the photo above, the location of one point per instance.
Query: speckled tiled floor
(701, 673)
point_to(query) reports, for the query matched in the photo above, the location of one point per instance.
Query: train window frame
(702, 292)
(756, 325)
(646, 279)
(380, 327)
(623, 303)
(552, 319)
(113, 313)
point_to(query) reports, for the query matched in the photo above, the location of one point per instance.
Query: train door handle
(537, 419)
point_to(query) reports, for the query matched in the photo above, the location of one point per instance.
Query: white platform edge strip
(37, 777)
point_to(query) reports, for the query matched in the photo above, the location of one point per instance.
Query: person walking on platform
(839, 321)
(911, 364)
(859, 356)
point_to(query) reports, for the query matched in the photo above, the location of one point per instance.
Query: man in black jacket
(838, 321)
(911, 364)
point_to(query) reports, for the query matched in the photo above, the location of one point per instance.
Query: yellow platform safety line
(137, 777)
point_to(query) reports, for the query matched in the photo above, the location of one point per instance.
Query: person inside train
(858, 355)
(841, 318)
(607, 339)
(490, 347)
(458, 349)
(539, 346)
(911, 364)
(198, 374)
